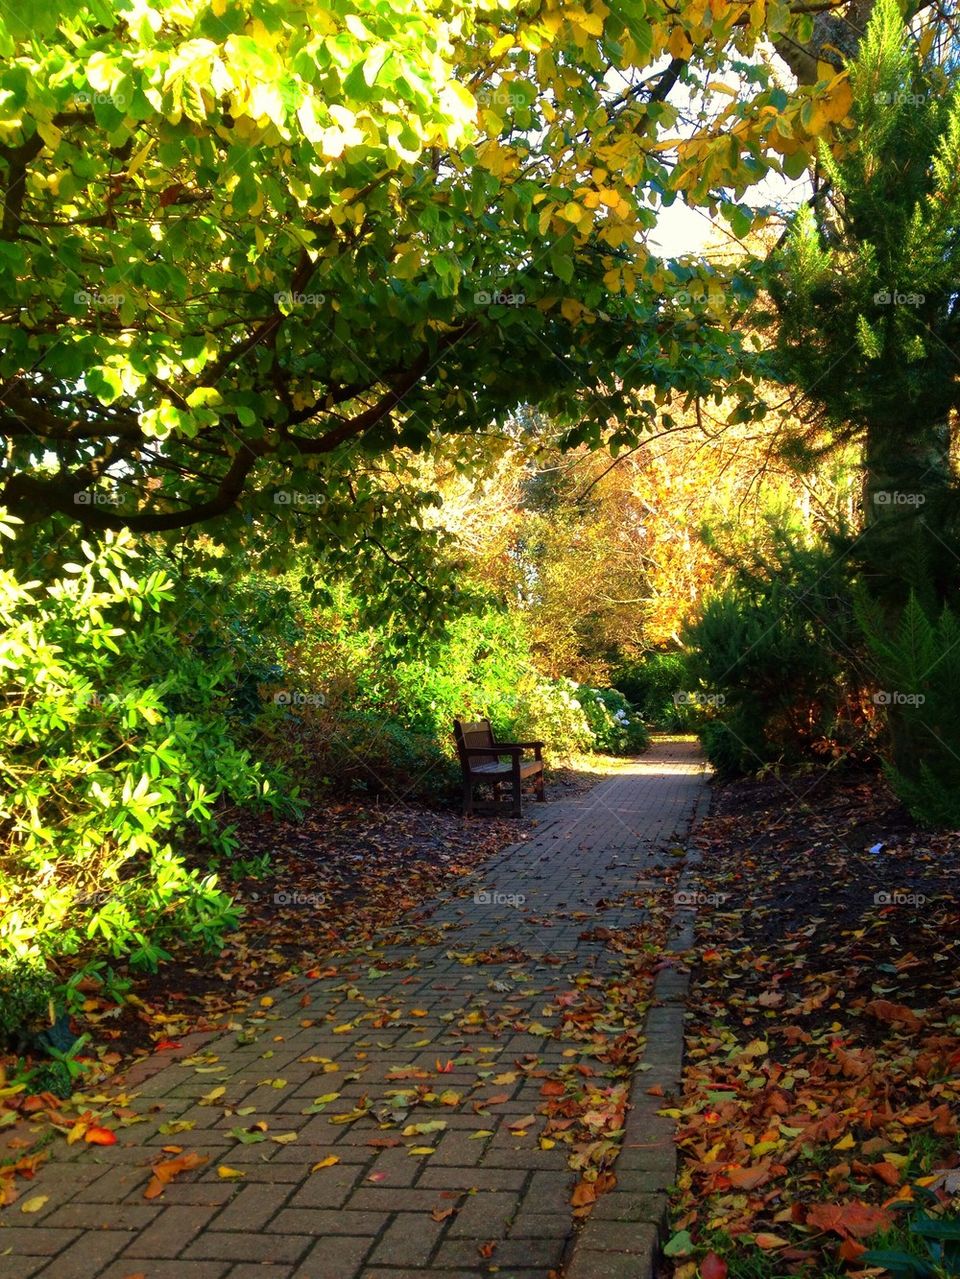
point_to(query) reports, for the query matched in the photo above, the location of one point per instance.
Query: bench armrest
(525, 746)
(509, 749)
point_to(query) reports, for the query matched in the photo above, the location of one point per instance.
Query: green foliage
(27, 989)
(654, 687)
(116, 747)
(773, 660)
(864, 287)
(252, 262)
(357, 709)
(934, 1250)
(919, 666)
(616, 727)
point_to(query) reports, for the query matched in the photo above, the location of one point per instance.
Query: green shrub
(918, 662)
(116, 744)
(774, 659)
(27, 989)
(360, 710)
(615, 726)
(652, 685)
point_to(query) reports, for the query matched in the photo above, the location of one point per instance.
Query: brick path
(374, 1214)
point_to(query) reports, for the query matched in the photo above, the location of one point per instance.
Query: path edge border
(623, 1236)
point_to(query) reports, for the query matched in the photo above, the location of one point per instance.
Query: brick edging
(621, 1239)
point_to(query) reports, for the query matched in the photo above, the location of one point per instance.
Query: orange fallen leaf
(768, 1242)
(98, 1136)
(164, 1172)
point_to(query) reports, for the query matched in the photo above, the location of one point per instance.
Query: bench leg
(517, 810)
(467, 797)
(538, 786)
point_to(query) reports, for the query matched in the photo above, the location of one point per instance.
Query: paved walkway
(419, 1033)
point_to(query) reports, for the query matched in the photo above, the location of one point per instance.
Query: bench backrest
(472, 733)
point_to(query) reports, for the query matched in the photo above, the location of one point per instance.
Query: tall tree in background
(869, 332)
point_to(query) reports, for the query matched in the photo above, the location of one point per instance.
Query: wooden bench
(482, 760)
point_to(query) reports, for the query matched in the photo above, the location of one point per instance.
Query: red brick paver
(389, 1011)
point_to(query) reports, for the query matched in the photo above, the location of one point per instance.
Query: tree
(869, 331)
(249, 255)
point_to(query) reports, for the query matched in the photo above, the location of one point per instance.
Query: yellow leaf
(266, 1001)
(679, 43)
(230, 1174)
(328, 1162)
(845, 1143)
(422, 1150)
(209, 1099)
(34, 1203)
(139, 159)
(283, 1138)
(836, 105)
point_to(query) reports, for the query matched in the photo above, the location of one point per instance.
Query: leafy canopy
(257, 250)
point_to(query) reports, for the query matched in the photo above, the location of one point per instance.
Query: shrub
(27, 990)
(115, 738)
(652, 684)
(774, 660)
(364, 711)
(615, 727)
(918, 662)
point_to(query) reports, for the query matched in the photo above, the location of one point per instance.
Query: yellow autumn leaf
(836, 105)
(230, 1174)
(679, 43)
(34, 1203)
(422, 1150)
(266, 1001)
(845, 1143)
(210, 1098)
(328, 1162)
